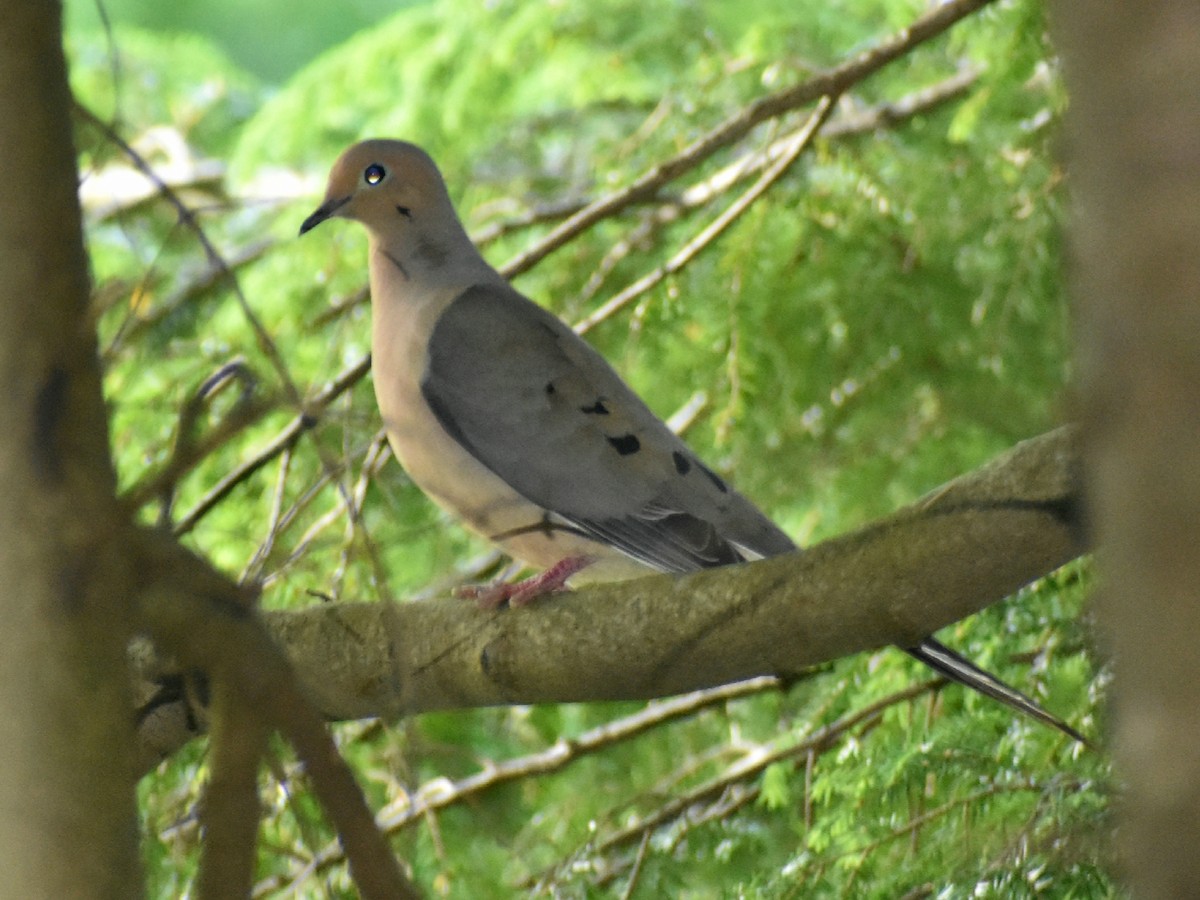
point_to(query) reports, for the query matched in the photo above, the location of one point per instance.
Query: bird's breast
(433, 459)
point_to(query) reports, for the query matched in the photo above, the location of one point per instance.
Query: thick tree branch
(231, 809)
(969, 544)
(207, 622)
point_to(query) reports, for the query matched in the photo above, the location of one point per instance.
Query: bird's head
(383, 184)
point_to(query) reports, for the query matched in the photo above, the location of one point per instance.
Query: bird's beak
(326, 210)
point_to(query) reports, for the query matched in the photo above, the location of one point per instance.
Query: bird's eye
(374, 173)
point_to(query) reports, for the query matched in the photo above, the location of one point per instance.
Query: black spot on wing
(596, 409)
(625, 444)
(550, 389)
(682, 464)
(715, 479)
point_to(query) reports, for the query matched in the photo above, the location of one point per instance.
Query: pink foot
(519, 593)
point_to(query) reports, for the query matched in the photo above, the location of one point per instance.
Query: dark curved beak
(326, 210)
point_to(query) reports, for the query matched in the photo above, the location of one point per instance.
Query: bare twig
(843, 125)
(378, 453)
(253, 568)
(553, 211)
(637, 866)
(398, 814)
(340, 307)
(265, 342)
(920, 821)
(375, 453)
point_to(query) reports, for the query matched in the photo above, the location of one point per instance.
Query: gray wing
(539, 407)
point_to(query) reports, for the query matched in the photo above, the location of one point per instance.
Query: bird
(514, 424)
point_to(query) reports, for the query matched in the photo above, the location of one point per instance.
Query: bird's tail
(958, 668)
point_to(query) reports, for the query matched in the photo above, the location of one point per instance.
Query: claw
(520, 593)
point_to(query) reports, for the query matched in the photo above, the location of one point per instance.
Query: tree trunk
(1133, 71)
(67, 815)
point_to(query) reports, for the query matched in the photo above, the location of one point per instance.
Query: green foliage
(889, 316)
(259, 36)
(146, 79)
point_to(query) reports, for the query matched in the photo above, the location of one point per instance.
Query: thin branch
(729, 791)
(281, 521)
(192, 289)
(627, 893)
(189, 450)
(832, 83)
(441, 793)
(753, 763)
(543, 214)
(843, 125)
(378, 453)
(340, 307)
(920, 821)
(118, 189)
(230, 812)
(205, 620)
(251, 571)
(285, 439)
(795, 146)
(265, 342)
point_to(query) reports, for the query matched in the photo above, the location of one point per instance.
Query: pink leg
(519, 593)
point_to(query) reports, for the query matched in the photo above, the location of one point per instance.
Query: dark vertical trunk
(1133, 73)
(67, 815)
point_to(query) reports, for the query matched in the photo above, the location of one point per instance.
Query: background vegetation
(888, 316)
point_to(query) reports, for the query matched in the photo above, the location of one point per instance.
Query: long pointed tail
(958, 668)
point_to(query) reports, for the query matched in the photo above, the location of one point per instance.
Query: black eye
(374, 173)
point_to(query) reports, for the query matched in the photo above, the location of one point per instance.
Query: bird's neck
(428, 262)
(412, 283)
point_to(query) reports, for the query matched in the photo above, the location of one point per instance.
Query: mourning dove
(513, 423)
